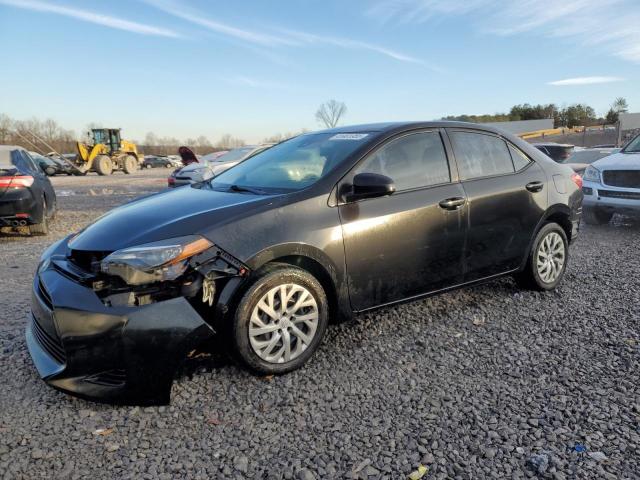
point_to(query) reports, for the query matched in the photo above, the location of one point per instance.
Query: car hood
(179, 212)
(619, 161)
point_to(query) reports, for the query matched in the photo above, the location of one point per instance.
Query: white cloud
(181, 11)
(290, 38)
(92, 17)
(310, 39)
(611, 26)
(585, 81)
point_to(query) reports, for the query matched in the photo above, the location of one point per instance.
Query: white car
(612, 185)
(207, 169)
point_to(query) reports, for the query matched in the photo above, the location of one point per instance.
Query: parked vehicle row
(317, 227)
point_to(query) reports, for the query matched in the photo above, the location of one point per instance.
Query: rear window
(480, 155)
(10, 159)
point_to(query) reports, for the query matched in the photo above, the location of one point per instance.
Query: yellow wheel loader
(106, 152)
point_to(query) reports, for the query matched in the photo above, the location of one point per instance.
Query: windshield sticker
(349, 136)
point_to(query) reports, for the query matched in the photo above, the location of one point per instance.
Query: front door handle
(452, 203)
(534, 186)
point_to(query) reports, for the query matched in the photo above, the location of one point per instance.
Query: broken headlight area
(190, 267)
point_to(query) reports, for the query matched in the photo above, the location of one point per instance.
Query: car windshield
(291, 165)
(633, 146)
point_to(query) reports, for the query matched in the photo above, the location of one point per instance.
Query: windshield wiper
(241, 188)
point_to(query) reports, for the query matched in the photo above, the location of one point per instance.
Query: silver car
(207, 169)
(612, 184)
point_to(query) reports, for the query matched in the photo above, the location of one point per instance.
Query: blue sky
(254, 68)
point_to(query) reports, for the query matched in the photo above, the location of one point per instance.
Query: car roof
(10, 147)
(399, 126)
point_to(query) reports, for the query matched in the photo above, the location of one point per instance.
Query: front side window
(480, 155)
(413, 161)
(633, 146)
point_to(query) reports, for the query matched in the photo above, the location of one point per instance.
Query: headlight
(154, 262)
(592, 174)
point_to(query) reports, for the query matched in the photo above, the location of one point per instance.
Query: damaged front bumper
(84, 345)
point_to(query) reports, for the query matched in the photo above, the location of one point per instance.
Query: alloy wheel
(283, 323)
(550, 257)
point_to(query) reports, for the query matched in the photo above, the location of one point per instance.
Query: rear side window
(30, 165)
(520, 160)
(413, 161)
(480, 155)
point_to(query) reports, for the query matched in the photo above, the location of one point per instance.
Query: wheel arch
(318, 264)
(558, 213)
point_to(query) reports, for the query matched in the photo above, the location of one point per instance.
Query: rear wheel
(103, 165)
(280, 320)
(547, 260)
(593, 216)
(148, 165)
(129, 164)
(41, 228)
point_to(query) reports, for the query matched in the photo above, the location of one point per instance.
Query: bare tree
(330, 113)
(620, 105)
(227, 141)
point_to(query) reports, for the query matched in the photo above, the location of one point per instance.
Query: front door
(412, 241)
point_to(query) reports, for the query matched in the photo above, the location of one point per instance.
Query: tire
(103, 165)
(244, 337)
(129, 164)
(596, 217)
(50, 172)
(148, 165)
(533, 276)
(42, 228)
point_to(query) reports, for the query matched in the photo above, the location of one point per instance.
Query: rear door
(506, 192)
(405, 244)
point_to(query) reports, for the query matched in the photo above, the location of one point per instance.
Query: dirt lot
(486, 382)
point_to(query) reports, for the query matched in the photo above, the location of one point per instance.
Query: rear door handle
(534, 186)
(452, 203)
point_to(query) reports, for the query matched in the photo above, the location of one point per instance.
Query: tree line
(570, 116)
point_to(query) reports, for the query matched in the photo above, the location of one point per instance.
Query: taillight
(18, 181)
(577, 179)
(171, 180)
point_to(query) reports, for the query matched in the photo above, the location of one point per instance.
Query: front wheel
(547, 260)
(103, 165)
(280, 320)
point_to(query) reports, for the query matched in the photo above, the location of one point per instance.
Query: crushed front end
(106, 332)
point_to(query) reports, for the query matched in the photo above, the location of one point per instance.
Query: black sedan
(27, 197)
(157, 162)
(316, 228)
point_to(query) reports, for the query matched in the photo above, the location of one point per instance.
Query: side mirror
(370, 185)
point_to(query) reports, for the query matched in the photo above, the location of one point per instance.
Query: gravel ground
(485, 382)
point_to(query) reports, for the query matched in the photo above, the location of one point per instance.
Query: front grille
(50, 344)
(618, 194)
(87, 260)
(44, 295)
(110, 378)
(622, 178)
